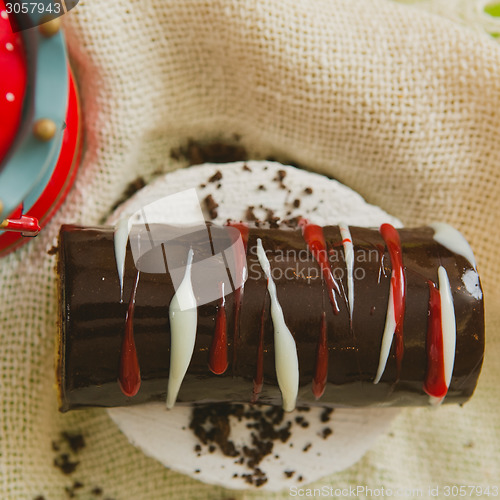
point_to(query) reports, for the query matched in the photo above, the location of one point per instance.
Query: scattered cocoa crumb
(289, 473)
(325, 414)
(55, 446)
(195, 152)
(53, 250)
(39, 497)
(296, 203)
(219, 185)
(64, 463)
(300, 478)
(326, 432)
(130, 190)
(211, 205)
(304, 424)
(246, 168)
(271, 218)
(216, 177)
(76, 442)
(250, 215)
(203, 186)
(306, 447)
(96, 491)
(262, 187)
(197, 448)
(308, 190)
(211, 448)
(280, 175)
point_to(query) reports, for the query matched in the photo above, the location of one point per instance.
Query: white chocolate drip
(390, 328)
(448, 327)
(183, 316)
(120, 239)
(286, 360)
(349, 262)
(453, 240)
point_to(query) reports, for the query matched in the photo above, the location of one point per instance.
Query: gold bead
(50, 26)
(44, 129)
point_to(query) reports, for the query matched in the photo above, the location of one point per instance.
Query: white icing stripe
(390, 328)
(120, 239)
(183, 316)
(286, 360)
(349, 262)
(453, 240)
(447, 323)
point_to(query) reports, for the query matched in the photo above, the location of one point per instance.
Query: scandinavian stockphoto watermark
(165, 232)
(26, 14)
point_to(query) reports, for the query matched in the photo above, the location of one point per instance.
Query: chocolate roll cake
(334, 316)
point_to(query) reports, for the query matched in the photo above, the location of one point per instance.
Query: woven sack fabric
(400, 105)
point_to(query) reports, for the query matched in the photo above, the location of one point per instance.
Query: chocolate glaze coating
(92, 322)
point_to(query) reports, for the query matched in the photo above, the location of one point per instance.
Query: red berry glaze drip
(130, 373)
(321, 369)
(398, 284)
(258, 381)
(238, 293)
(435, 383)
(313, 236)
(218, 350)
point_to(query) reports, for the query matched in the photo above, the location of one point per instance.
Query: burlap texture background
(400, 105)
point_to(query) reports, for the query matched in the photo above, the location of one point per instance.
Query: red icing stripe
(313, 236)
(218, 350)
(130, 374)
(398, 284)
(435, 384)
(321, 370)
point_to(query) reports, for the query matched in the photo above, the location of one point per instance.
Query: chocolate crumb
(203, 186)
(77, 485)
(246, 168)
(308, 190)
(300, 478)
(96, 491)
(53, 250)
(235, 475)
(299, 419)
(197, 448)
(211, 448)
(262, 187)
(214, 152)
(197, 471)
(304, 424)
(250, 215)
(211, 205)
(219, 185)
(55, 446)
(280, 175)
(75, 441)
(39, 497)
(306, 447)
(325, 414)
(64, 463)
(216, 177)
(326, 432)
(296, 203)
(289, 473)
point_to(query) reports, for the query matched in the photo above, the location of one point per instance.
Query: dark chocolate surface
(93, 322)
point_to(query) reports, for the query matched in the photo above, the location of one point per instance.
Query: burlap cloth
(400, 105)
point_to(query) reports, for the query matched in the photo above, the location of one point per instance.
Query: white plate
(164, 434)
